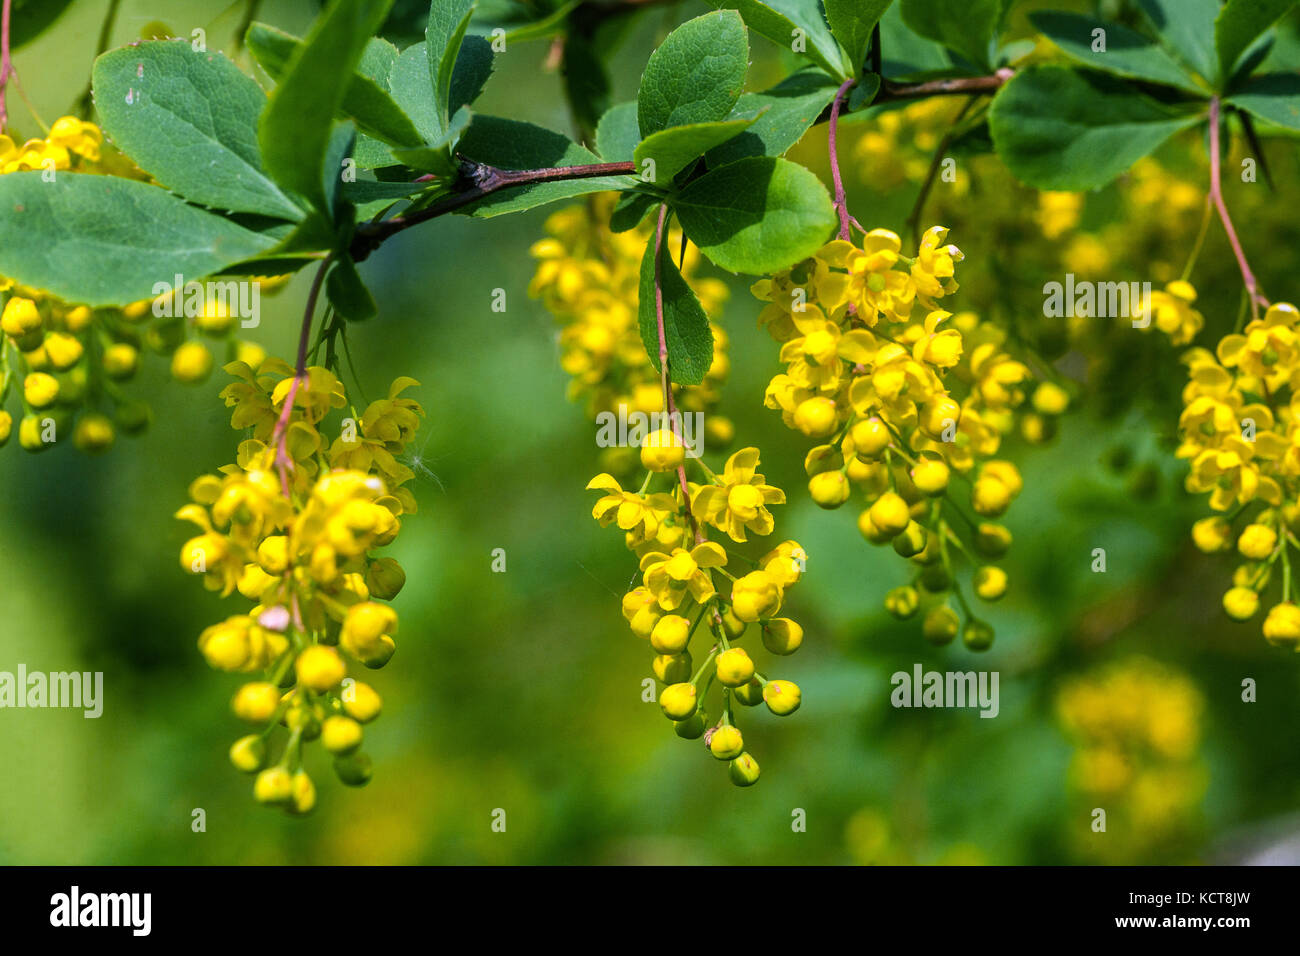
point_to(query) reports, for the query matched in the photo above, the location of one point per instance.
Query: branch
(1216, 196)
(480, 180)
(832, 146)
(892, 92)
(279, 437)
(665, 381)
(6, 67)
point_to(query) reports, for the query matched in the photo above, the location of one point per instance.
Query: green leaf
(473, 68)
(512, 144)
(1186, 28)
(864, 91)
(696, 74)
(965, 26)
(795, 25)
(448, 21)
(686, 328)
(295, 126)
(366, 100)
(102, 240)
(363, 191)
(347, 293)
(906, 55)
(631, 210)
(618, 133)
(852, 22)
(1240, 23)
(1271, 96)
(781, 116)
(30, 18)
(438, 158)
(412, 88)
(671, 150)
(586, 81)
(189, 120)
(757, 215)
(1127, 53)
(1058, 128)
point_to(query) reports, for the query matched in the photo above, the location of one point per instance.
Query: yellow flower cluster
(688, 581)
(1136, 729)
(895, 147)
(69, 140)
(68, 362)
(296, 534)
(871, 365)
(588, 278)
(1240, 431)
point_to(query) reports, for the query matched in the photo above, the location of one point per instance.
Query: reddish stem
(6, 66)
(283, 462)
(673, 418)
(832, 139)
(1216, 196)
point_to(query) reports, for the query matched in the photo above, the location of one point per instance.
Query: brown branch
(956, 86)
(480, 180)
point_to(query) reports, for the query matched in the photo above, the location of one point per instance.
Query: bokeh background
(521, 690)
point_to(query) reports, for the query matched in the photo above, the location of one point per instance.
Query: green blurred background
(521, 690)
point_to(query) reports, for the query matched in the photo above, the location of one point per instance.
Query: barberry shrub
(132, 225)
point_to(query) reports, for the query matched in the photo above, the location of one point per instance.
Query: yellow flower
(739, 501)
(934, 268)
(670, 578)
(637, 513)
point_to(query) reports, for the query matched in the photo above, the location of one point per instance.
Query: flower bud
(1257, 542)
(734, 667)
(990, 582)
(273, 786)
(977, 636)
(320, 668)
(816, 417)
(744, 771)
(930, 477)
(782, 635)
(782, 697)
(902, 602)
(248, 754)
(756, 597)
(940, 625)
(662, 450)
(911, 541)
(1282, 626)
(870, 439)
(1241, 603)
(678, 701)
(340, 735)
(302, 794)
(692, 728)
(361, 702)
(726, 743)
(829, 489)
(671, 634)
(191, 363)
(890, 514)
(672, 668)
(354, 769)
(256, 702)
